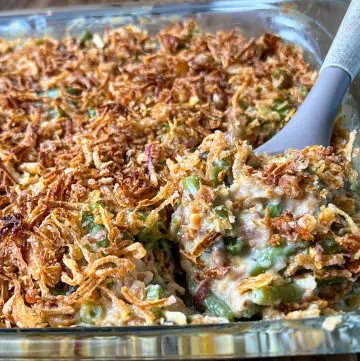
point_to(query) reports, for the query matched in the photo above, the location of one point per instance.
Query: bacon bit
(201, 292)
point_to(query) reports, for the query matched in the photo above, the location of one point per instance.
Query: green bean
(91, 312)
(256, 269)
(96, 205)
(51, 93)
(174, 226)
(330, 246)
(204, 155)
(268, 257)
(154, 292)
(234, 245)
(218, 307)
(274, 295)
(65, 291)
(289, 293)
(192, 286)
(221, 212)
(265, 296)
(73, 91)
(212, 303)
(87, 220)
(304, 91)
(217, 167)
(243, 105)
(55, 113)
(282, 108)
(152, 234)
(310, 170)
(192, 184)
(275, 209)
(86, 36)
(92, 113)
(281, 79)
(104, 243)
(96, 231)
(165, 247)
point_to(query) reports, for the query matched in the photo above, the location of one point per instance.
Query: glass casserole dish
(308, 24)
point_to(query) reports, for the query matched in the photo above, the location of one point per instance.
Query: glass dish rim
(152, 8)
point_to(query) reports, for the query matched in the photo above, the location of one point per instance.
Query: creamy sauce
(226, 289)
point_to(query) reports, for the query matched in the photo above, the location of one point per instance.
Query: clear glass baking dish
(310, 24)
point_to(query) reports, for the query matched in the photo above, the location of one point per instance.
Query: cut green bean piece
(96, 205)
(281, 79)
(192, 286)
(92, 112)
(174, 227)
(217, 167)
(73, 91)
(192, 184)
(243, 105)
(274, 295)
(330, 246)
(275, 209)
(91, 312)
(154, 292)
(154, 233)
(269, 257)
(221, 212)
(218, 307)
(86, 36)
(289, 293)
(51, 93)
(87, 220)
(265, 296)
(234, 245)
(65, 291)
(104, 243)
(165, 247)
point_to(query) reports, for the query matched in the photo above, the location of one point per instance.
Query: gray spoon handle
(313, 122)
(344, 52)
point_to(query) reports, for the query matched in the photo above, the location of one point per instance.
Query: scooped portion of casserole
(270, 236)
(96, 216)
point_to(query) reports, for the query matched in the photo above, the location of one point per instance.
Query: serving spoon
(314, 120)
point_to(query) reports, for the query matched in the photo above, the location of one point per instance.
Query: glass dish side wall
(311, 25)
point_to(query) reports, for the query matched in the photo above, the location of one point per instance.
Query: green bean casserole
(130, 193)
